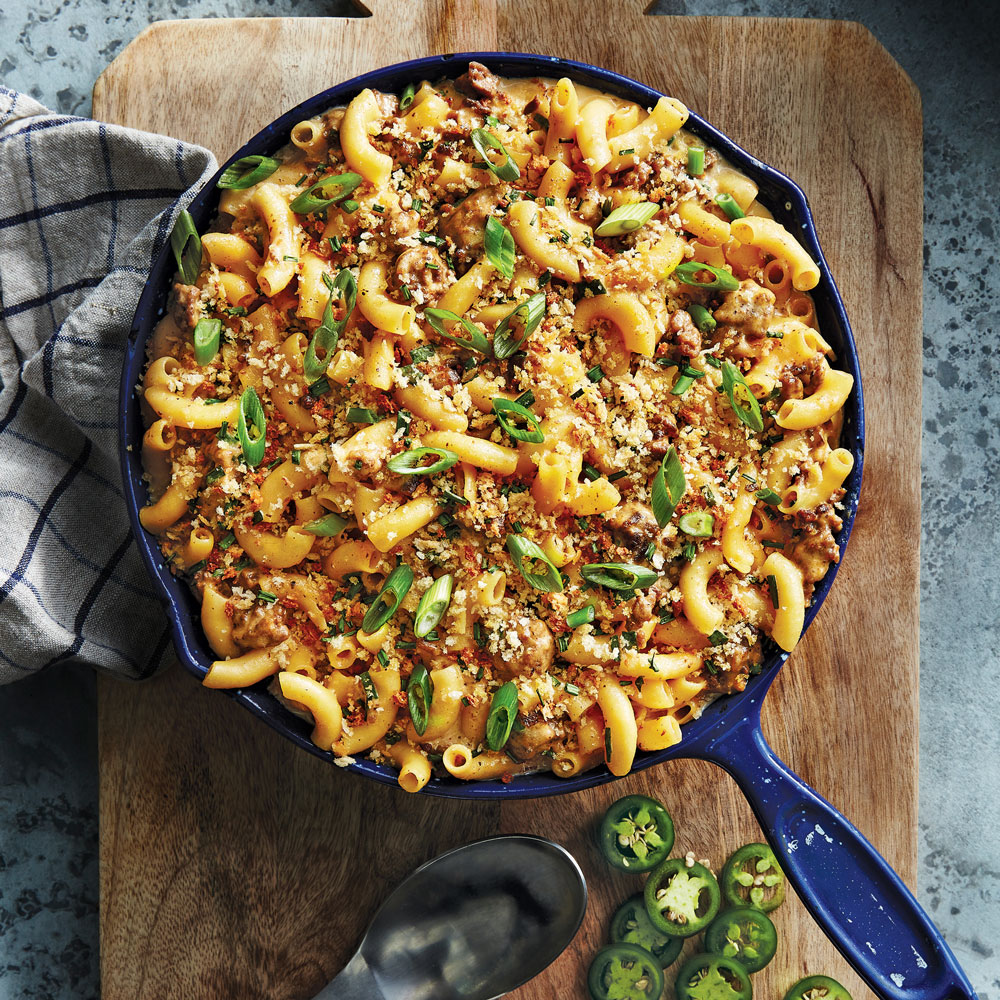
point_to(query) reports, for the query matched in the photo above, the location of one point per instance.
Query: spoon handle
(849, 888)
(355, 982)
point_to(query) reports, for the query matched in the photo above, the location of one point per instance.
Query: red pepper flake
(506, 778)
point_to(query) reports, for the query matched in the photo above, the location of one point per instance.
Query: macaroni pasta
(514, 441)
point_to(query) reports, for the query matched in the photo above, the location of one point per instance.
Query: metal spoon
(471, 924)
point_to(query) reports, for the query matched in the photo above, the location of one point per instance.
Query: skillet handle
(848, 887)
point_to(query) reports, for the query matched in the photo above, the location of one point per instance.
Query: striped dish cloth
(84, 210)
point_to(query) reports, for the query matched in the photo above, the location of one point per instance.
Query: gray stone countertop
(55, 49)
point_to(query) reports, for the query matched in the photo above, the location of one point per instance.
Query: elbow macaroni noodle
(290, 554)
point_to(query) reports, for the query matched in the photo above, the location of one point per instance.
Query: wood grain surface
(234, 865)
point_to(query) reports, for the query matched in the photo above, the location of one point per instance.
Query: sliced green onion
(581, 617)
(527, 398)
(669, 485)
(326, 335)
(266, 596)
(361, 415)
(530, 313)
(326, 527)
(476, 341)
(325, 192)
(252, 416)
(410, 463)
(718, 638)
(393, 591)
(769, 497)
(596, 373)
(627, 218)
(523, 549)
(688, 273)
(504, 408)
(406, 98)
(701, 317)
(729, 205)
(685, 379)
(499, 245)
(432, 605)
(186, 245)
(696, 161)
(485, 141)
(697, 523)
(419, 695)
(206, 339)
(503, 712)
(349, 205)
(319, 388)
(619, 576)
(591, 473)
(247, 171)
(742, 400)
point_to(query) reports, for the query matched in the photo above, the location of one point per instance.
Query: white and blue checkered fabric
(84, 210)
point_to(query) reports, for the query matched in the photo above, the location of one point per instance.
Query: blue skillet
(848, 887)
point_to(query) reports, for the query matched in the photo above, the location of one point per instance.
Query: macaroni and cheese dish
(492, 426)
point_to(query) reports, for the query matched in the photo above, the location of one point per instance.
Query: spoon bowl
(473, 923)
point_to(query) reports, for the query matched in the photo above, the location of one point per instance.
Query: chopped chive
(696, 161)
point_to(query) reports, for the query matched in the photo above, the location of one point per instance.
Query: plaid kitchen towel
(84, 209)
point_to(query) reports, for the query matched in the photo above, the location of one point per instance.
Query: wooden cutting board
(234, 865)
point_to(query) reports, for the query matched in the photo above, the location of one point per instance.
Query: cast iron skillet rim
(181, 608)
